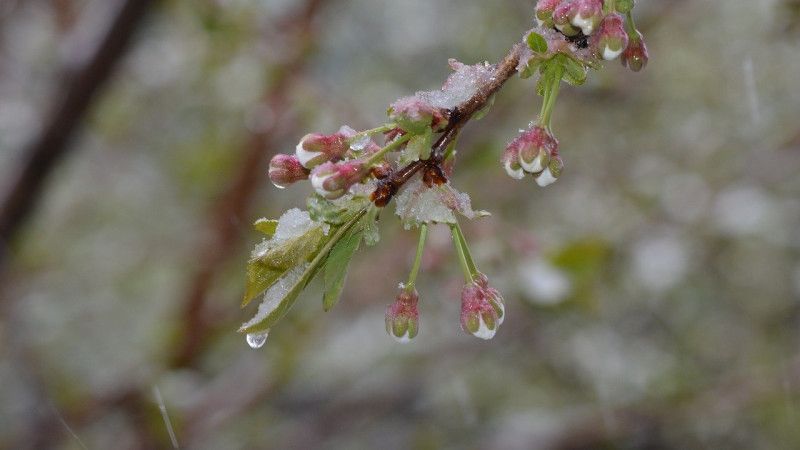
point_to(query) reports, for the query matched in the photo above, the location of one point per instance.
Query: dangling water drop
(257, 340)
(360, 143)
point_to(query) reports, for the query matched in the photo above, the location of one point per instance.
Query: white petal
(534, 166)
(585, 24)
(516, 174)
(610, 55)
(546, 178)
(484, 332)
(318, 181)
(305, 156)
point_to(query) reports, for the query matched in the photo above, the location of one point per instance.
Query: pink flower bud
(544, 12)
(635, 56)
(482, 309)
(402, 316)
(573, 15)
(332, 180)
(535, 146)
(611, 39)
(285, 170)
(414, 114)
(315, 149)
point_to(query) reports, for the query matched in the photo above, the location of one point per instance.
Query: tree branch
(459, 117)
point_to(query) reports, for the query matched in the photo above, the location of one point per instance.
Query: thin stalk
(549, 102)
(412, 277)
(470, 262)
(630, 27)
(462, 258)
(394, 145)
(371, 131)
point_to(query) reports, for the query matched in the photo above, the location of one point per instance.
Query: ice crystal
(419, 204)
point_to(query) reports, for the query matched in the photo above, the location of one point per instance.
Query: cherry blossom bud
(479, 317)
(315, 149)
(536, 145)
(402, 316)
(611, 39)
(635, 56)
(544, 12)
(285, 170)
(551, 173)
(574, 15)
(414, 114)
(332, 180)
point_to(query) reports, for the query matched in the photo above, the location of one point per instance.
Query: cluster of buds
(482, 308)
(534, 151)
(315, 148)
(402, 316)
(606, 26)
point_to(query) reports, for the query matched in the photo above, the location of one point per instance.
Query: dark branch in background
(234, 204)
(459, 117)
(79, 90)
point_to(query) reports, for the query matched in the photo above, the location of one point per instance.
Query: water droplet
(279, 186)
(257, 340)
(360, 143)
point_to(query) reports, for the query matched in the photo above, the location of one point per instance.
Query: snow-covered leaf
(418, 204)
(337, 264)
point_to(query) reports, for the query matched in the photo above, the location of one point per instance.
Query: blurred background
(653, 292)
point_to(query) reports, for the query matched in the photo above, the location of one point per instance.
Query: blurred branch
(79, 90)
(235, 202)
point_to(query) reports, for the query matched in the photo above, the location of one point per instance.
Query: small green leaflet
(266, 226)
(537, 42)
(337, 264)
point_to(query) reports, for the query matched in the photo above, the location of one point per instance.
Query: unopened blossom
(544, 12)
(402, 316)
(482, 310)
(286, 169)
(333, 180)
(531, 152)
(635, 56)
(493, 295)
(413, 114)
(315, 148)
(611, 39)
(573, 16)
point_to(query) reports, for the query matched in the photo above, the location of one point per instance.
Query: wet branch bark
(459, 117)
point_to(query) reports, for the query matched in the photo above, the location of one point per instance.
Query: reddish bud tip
(285, 170)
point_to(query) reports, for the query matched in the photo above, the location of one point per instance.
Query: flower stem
(412, 277)
(370, 132)
(394, 145)
(464, 255)
(630, 27)
(549, 99)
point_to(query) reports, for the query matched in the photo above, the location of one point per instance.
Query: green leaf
(308, 274)
(574, 71)
(537, 42)
(323, 210)
(550, 72)
(337, 264)
(259, 278)
(264, 271)
(266, 226)
(293, 251)
(419, 147)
